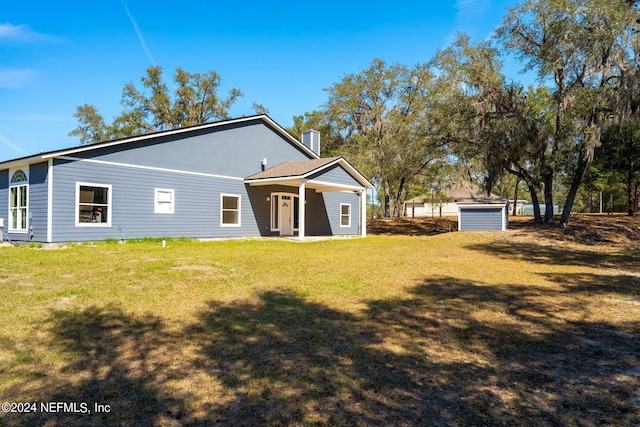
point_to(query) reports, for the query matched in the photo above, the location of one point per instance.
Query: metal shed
(490, 214)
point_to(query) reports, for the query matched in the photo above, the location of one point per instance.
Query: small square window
(164, 201)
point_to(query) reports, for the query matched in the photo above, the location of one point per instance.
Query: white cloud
(470, 12)
(471, 17)
(23, 33)
(139, 33)
(15, 79)
(11, 145)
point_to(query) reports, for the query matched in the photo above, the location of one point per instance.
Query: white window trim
(222, 196)
(157, 203)
(12, 171)
(26, 209)
(348, 216)
(109, 205)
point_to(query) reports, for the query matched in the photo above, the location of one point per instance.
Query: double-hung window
(18, 201)
(93, 205)
(345, 215)
(229, 210)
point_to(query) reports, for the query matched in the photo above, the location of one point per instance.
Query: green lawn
(452, 329)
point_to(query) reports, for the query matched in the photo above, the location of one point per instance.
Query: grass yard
(518, 328)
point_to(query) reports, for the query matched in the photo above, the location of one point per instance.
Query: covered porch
(313, 197)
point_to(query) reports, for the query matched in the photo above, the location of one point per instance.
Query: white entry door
(286, 215)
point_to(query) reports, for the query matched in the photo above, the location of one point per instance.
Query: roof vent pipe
(311, 140)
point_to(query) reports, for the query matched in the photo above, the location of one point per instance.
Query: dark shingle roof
(291, 169)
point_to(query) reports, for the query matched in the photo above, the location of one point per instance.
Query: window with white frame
(345, 215)
(18, 201)
(229, 210)
(93, 205)
(164, 201)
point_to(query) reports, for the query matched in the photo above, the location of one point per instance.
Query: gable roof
(148, 136)
(301, 169)
(293, 168)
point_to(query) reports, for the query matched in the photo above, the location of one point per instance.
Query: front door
(286, 215)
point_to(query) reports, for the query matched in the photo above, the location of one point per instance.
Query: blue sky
(55, 56)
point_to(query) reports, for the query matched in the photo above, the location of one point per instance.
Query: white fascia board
(339, 187)
(295, 180)
(24, 161)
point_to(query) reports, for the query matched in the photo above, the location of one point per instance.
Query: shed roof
(484, 201)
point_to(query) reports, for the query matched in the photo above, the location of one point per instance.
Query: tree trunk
(583, 165)
(537, 217)
(397, 203)
(610, 203)
(600, 210)
(548, 196)
(386, 209)
(515, 198)
(630, 205)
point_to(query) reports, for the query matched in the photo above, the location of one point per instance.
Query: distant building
(446, 204)
(527, 209)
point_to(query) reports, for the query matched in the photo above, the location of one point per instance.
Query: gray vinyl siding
(317, 222)
(332, 203)
(196, 210)
(337, 175)
(481, 219)
(38, 191)
(235, 150)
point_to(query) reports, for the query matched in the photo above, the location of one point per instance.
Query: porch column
(301, 217)
(363, 213)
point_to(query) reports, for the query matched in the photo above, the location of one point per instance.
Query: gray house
(244, 177)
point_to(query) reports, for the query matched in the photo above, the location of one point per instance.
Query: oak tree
(193, 100)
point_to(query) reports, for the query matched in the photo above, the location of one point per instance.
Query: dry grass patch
(447, 329)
